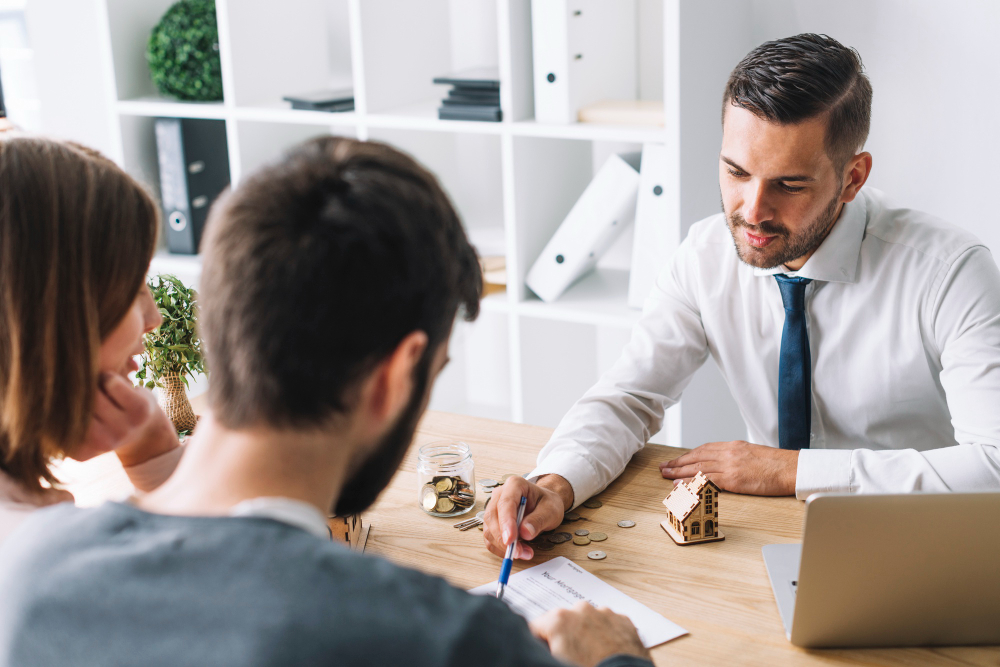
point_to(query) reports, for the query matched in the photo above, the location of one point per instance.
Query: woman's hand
(128, 421)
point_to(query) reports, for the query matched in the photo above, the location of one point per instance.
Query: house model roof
(685, 496)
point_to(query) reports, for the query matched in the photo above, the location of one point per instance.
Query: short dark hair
(316, 268)
(797, 78)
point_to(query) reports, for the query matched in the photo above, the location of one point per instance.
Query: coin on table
(571, 516)
(597, 555)
(581, 540)
(543, 546)
(593, 504)
(504, 478)
(444, 505)
(488, 483)
(559, 538)
(626, 523)
(480, 526)
(583, 532)
(597, 537)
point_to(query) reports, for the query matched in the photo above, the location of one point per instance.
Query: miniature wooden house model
(693, 512)
(349, 530)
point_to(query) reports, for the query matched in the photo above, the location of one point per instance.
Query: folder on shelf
(653, 241)
(604, 209)
(583, 52)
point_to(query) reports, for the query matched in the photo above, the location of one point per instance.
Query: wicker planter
(174, 401)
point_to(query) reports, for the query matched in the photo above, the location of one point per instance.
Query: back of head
(802, 77)
(76, 238)
(316, 268)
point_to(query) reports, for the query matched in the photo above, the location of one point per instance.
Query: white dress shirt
(903, 316)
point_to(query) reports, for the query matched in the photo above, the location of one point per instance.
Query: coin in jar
(444, 484)
(444, 505)
(597, 555)
(583, 532)
(581, 540)
(429, 499)
(593, 504)
(597, 537)
(626, 523)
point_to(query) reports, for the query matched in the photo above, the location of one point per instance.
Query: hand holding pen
(508, 560)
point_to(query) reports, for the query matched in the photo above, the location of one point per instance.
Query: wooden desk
(719, 592)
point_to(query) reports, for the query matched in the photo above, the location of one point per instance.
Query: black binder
(194, 169)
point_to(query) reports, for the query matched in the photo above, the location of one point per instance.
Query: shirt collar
(836, 259)
(286, 510)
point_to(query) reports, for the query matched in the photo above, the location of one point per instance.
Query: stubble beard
(787, 247)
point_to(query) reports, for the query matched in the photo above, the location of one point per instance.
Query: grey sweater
(118, 586)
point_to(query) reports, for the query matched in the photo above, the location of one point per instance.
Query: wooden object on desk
(693, 512)
(719, 592)
(351, 530)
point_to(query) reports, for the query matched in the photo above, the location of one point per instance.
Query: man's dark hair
(316, 268)
(797, 78)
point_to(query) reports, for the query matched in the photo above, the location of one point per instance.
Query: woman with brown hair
(76, 238)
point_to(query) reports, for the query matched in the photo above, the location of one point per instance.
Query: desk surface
(719, 592)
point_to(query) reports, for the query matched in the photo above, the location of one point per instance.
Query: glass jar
(446, 477)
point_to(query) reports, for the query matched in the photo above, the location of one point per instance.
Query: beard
(375, 472)
(787, 246)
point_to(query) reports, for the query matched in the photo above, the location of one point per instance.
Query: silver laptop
(921, 569)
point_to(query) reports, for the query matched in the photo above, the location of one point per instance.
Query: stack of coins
(447, 495)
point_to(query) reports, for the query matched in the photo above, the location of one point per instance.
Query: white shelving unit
(512, 182)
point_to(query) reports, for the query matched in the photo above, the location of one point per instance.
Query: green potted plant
(183, 52)
(173, 350)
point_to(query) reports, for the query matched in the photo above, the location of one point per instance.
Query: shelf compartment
(162, 107)
(303, 46)
(406, 44)
(262, 143)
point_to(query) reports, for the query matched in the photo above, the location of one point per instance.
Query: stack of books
(474, 95)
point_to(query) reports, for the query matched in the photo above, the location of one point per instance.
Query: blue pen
(508, 560)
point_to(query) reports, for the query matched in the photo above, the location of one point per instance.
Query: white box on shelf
(604, 209)
(654, 240)
(583, 51)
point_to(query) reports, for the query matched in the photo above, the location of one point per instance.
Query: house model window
(693, 512)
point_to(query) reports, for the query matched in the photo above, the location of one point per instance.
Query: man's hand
(128, 421)
(739, 467)
(548, 500)
(585, 635)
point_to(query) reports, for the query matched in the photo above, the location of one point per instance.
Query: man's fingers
(508, 505)
(690, 470)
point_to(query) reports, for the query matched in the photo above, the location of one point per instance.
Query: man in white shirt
(861, 340)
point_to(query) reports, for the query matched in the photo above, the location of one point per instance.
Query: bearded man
(860, 339)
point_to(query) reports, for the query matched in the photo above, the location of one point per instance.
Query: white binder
(653, 242)
(583, 52)
(604, 209)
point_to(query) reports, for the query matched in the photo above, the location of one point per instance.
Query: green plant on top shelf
(183, 52)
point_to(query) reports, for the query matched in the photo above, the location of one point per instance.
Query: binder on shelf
(583, 52)
(601, 213)
(653, 242)
(194, 169)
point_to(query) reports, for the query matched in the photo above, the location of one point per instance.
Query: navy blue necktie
(794, 367)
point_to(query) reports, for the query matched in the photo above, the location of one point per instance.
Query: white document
(655, 239)
(561, 583)
(604, 209)
(583, 51)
